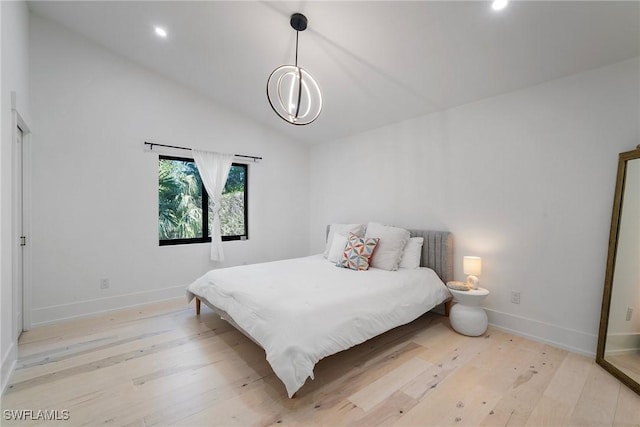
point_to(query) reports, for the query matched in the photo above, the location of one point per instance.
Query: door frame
(24, 210)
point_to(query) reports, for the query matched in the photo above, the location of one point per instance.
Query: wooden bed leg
(197, 306)
(447, 307)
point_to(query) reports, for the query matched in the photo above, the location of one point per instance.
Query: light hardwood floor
(628, 362)
(161, 365)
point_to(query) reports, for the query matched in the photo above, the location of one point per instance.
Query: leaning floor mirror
(619, 337)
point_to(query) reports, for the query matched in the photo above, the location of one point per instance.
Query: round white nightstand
(467, 317)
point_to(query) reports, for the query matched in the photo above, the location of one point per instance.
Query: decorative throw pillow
(412, 253)
(392, 243)
(358, 252)
(337, 248)
(344, 229)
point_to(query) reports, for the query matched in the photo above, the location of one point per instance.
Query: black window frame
(205, 212)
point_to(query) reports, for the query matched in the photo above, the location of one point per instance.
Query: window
(181, 196)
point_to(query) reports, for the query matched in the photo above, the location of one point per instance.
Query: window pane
(232, 209)
(180, 200)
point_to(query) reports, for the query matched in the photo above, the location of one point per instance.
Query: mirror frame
(623, 158)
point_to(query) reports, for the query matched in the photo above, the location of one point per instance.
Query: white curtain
(214, 169)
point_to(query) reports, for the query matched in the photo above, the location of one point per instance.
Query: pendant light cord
(299, 78)
(297, 33)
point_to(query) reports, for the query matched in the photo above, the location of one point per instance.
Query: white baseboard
(620, 352)
(57, 313)
(567, 339)
(620, 343)
(9, 360)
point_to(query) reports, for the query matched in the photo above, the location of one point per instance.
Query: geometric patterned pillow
(358, 252)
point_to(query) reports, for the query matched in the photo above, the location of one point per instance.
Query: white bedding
(301, 310)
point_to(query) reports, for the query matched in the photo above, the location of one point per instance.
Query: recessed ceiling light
(499, 4)
(160, 32)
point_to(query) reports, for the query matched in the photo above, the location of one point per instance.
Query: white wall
(95, 190)
(525, 180)
(14, 18)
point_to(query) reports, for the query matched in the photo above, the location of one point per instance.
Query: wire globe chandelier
(292, 92)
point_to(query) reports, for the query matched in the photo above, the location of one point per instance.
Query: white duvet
(301, 310)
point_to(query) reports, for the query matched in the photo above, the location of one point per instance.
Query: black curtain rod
(151, 144)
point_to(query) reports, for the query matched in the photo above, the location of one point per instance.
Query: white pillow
(337, 248)
(412, 253)
(391, 246)
(344, 229)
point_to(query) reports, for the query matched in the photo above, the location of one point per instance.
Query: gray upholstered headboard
(437, 252)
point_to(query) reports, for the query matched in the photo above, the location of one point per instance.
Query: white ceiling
(377, 62)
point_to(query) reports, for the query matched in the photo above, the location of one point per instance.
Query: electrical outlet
(104, 283)
(515, 297)
(629, 313)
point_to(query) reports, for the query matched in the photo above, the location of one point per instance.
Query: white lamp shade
(472, 265)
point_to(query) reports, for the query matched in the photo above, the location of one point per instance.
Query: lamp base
(473, 281)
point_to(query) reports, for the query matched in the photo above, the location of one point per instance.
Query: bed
(304, 309)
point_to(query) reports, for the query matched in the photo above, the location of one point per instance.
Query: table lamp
(472, 265)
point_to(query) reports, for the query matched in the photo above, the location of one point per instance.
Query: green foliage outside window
(232, 205)
(180, 192)
(180, 197)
